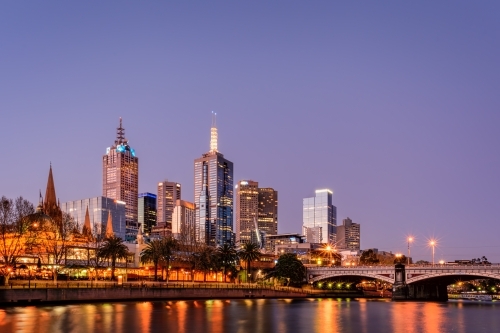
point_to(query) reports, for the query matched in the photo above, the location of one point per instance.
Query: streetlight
(432, 243)
(410, 239)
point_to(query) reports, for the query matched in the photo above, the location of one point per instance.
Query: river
(256, 316)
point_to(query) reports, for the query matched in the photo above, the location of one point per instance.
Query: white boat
(476, 297)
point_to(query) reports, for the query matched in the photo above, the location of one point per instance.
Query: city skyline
(397, 116)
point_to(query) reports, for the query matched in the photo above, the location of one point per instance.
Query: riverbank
(104, 292)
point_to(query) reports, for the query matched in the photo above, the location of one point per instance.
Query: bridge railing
(436, 266)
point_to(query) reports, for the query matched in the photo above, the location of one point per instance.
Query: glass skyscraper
(213, 195)
(99, 209)
(147, 212)
(319, 218)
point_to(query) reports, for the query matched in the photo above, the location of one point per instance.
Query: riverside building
(147, 212)
(256, 213)
(319, 218)
(213, 195)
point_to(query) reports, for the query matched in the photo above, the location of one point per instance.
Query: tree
(152, 254)
(249, 252)
(55, 238)
(368, 257)
(113, 248)
(401, 259)
(227, 256)
(15, 227)
(204, 260)
(289, 268)
(167, 249)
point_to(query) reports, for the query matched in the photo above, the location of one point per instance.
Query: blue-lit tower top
(121, 143)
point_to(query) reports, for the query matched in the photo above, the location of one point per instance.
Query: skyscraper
(120, 177)
(256, 212)
(183, 220)
(96, 212)
(349, 235)
(147, 212)
(168, 194)
(213, 195)
(319, 218)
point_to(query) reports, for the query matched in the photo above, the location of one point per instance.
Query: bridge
(411, 282)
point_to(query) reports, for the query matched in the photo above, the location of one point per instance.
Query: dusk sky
(392, 105)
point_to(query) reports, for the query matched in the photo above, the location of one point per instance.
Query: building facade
(213, 194)
(273, 241)
(256, 213)
(183, 221)
(349, 235)
(99, 209)
(168, 194)
(120, 177)
(147, 212)
(319, 218)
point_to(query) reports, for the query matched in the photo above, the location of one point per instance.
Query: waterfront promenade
(23, 292)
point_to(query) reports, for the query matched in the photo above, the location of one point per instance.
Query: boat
(476, 297)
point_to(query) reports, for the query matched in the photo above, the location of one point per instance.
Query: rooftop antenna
(120, 133)
(213, 133)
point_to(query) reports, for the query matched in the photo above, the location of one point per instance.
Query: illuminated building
(272, 241)
(349, 235)
(147, 212)
(168, 194)
(256, 212)
(319, 218)
(99, 209)
(120, 176)
(183, 220)
(213, 195)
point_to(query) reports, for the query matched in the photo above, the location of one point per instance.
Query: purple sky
(394, 107)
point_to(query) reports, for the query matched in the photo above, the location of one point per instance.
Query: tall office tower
(120, 177)
(183, 220)
(319, 218)
(147, 212)
(247, 211)
(168, 194)
(99, 210)
(213, 195)
(349, 235)
(256, 212)
(268, 211)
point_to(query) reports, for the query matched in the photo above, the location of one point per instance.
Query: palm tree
(167, 249)
(204, 260)
(152, 253)
(249, 252)
(113, 248)
(227, 257)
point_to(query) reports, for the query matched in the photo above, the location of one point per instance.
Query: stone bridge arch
(451, 275)
(352, 274)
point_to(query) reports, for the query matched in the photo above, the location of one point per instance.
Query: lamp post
(410, 239)
(432, 243)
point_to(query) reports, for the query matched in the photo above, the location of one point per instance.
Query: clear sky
(392, 105)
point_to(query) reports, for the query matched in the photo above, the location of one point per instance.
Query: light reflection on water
(256, 316)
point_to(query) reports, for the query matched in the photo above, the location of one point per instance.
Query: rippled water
(256, 316)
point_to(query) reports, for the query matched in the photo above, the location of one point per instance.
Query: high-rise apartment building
(349, 235)
(147, 212)
(120, 177)
(213, 194)
(168, 194)
(183, 221)
(256, 212)
(100, 211)
(319, 218)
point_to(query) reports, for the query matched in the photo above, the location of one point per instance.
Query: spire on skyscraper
(213, 133)
(120, 134)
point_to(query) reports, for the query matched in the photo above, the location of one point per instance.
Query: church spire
(50, 201)
(213, 133)
(109, 226)
(86, 225)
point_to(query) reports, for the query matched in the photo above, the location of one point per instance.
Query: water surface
(256, 316)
